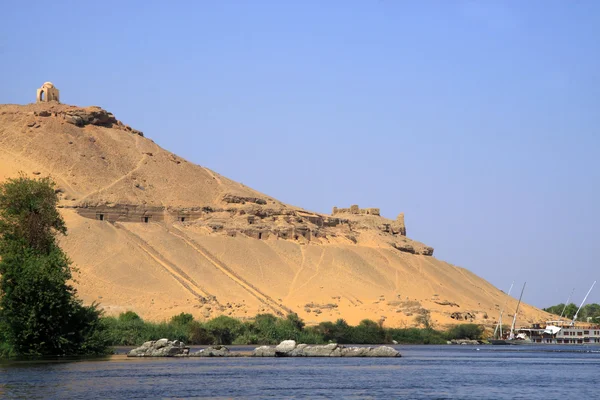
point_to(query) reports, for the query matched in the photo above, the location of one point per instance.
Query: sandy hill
(154, 233)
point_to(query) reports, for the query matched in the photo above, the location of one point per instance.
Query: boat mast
(565, 307)
(499, 324)
(584, 299)
(512, 327)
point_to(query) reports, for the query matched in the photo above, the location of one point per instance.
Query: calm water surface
(424, 372)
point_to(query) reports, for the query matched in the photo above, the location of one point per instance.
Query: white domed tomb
(48, 92)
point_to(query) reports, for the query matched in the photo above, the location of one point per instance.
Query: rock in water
(464, 341)
(299, 350)
(289, 348)
(264, 351)
(212, 351)
(320, 351)
(355, 351)
(160, 348)
(383, 351)
(285, 347)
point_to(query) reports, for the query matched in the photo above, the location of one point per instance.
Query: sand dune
(212, 246)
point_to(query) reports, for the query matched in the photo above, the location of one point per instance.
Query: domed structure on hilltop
(48, 92)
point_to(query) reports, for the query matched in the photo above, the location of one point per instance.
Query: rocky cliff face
(156, 234)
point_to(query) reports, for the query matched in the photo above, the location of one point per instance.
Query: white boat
(512, 339)
(565, 332)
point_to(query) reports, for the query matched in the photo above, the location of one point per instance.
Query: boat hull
(509, 342)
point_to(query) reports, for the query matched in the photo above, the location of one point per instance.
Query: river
(424, 372)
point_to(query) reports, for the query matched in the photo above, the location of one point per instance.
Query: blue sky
(478, 119)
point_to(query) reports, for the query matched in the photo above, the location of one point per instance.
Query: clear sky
(478, 119)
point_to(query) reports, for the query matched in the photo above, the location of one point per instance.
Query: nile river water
(424, 372)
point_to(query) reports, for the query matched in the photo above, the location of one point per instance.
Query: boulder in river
(264, 351)
(465, 341)
(160, 348)
(285, 347)
(289, 348)
(319, 350)
(212, 351)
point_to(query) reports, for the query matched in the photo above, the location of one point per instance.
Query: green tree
(591, 312)
(569, 311)
(290, 327)
(264, 329)
(424, 319)
(368, 332)
(128, 317)
(557, 309)
(197, 334)
(338, 332)
(224, 329)
(183, 319)
(39, 311)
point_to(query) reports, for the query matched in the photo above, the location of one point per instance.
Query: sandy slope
(163, 268)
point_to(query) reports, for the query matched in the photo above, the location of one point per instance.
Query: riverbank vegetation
(588, 313)
(128, 329)
(39, 311)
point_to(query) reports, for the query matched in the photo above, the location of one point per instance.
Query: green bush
(465, 331)
(267, 329)
(417, 336)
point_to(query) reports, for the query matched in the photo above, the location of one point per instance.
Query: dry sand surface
(242, 253)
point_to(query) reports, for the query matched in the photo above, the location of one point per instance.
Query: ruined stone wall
(354, 209)
(399, 224)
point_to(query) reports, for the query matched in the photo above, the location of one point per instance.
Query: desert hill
(156, 234)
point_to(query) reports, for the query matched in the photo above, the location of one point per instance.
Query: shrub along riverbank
(129, 330)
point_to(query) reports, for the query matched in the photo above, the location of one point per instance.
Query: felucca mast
(499, 324)
(584, 299)
(512, 327)
(565, 307)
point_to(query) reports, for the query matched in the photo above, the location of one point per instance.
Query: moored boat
(555, 332)
(563, 332)
(515, 341)
(521, 337)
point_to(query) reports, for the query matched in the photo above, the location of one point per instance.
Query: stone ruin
(400, 222)
(48, 92)
(354, 209)
(258, 221)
